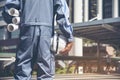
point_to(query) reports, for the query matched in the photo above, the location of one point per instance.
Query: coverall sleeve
(12, 4)
(62, 18)
(9, 4)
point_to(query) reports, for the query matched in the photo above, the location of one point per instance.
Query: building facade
(88, 10)
(83, 11)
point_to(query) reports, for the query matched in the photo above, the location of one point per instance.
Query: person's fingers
(64, 51)
(67, 48)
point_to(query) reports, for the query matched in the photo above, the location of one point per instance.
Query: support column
(86, 10)
(115, 8)
(78, 17)
(100, 9)
(98, 57)
(78, 47)
(78, 11)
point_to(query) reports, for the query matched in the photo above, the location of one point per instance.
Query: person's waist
(37, 23)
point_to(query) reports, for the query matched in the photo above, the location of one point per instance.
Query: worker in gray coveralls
(36, 29)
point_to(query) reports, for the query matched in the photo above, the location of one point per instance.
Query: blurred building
(80, 11)
(85, 10)
(91, 10)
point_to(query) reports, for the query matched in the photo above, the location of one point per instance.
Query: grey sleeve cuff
(70, 39)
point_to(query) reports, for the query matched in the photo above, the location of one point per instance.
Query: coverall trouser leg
(34, 46)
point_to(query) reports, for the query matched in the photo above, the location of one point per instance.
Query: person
(108, 63)
(36, 29)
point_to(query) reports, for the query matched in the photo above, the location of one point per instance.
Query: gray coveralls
(36, 29)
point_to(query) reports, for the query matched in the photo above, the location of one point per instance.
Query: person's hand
(67, 48)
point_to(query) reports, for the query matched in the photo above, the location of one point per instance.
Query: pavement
(78, 77)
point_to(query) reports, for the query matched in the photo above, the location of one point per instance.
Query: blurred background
(96, 40)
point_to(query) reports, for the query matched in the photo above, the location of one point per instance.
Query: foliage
(64, 70)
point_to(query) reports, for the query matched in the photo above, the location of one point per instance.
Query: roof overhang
(104, 31)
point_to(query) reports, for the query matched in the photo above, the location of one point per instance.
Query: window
(92, 8)
(107, 8)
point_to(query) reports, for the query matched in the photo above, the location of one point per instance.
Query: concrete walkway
(78, 77)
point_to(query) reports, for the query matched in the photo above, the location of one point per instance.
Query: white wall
(77, 49)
